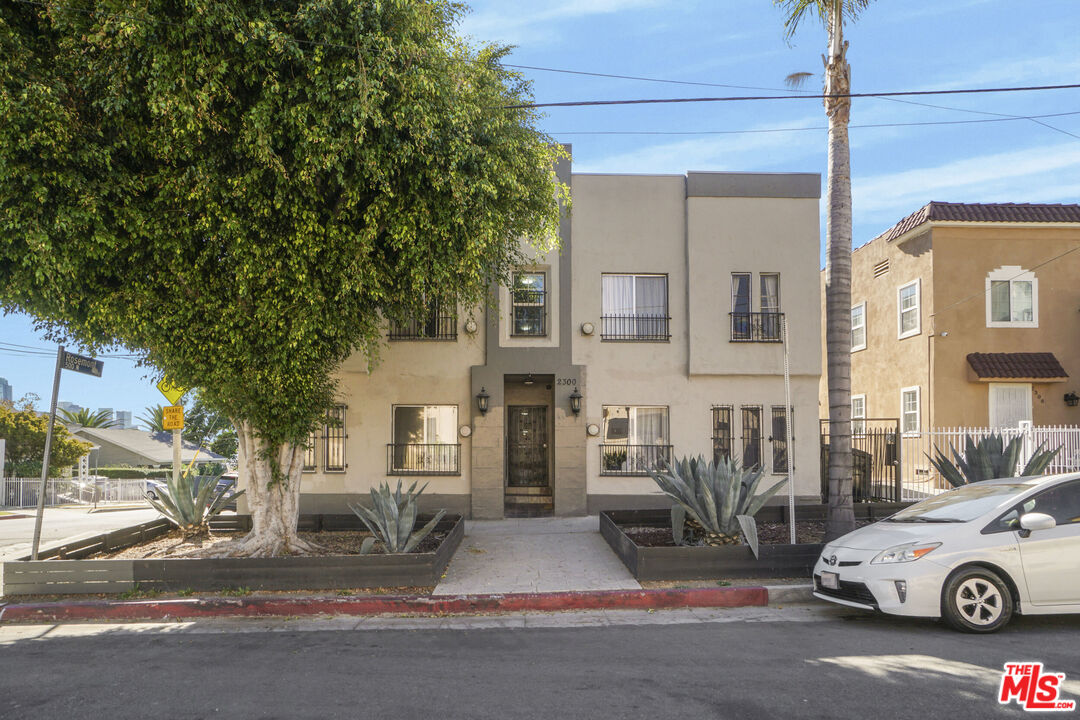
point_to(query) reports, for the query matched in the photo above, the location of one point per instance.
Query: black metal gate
(526, 446)
(875, 450)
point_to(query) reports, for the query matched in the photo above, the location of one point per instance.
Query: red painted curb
(383, 604)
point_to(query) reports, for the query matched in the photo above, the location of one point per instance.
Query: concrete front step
(529, 490)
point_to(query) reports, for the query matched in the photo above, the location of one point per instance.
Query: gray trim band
(763, 185)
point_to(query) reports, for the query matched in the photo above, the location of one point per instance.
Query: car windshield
(959, 505)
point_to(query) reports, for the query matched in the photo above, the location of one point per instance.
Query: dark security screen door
(527, 446)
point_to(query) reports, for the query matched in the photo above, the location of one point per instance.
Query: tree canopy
(241, 192)
(24, 431)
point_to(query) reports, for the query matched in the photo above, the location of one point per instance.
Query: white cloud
(1029, 175)
(509, 23)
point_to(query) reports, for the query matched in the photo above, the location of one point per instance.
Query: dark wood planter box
(77, 576)
(700, 563)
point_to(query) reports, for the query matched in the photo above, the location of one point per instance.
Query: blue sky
(914, 45)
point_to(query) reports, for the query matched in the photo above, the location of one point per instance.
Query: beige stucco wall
(963, 257)
(888, 363)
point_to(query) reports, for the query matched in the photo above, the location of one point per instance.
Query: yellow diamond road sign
(171, 392)
(174, 418)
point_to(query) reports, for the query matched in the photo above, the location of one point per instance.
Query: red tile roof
(994, 366)
(980, 212)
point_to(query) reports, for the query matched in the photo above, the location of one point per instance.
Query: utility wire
(817, 127)
(745, 98)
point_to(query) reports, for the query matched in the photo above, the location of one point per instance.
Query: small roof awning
(1040, 367)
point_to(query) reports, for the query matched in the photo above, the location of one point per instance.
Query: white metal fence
(920, 479)
(23, 492)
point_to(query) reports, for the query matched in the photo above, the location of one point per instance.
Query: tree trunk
(841, 515)
(274, 504)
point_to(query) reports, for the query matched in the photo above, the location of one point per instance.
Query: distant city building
(124, 420)
(5, 390)
(69, 406)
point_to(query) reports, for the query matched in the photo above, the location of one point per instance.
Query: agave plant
(990, 458)
(190, 502)
(391, 519)
(715, 503)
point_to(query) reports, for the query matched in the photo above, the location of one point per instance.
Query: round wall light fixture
(470, 326)
(465, 431)
(587, 328)
(592, 429)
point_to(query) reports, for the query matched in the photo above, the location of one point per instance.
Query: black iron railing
(530, 312)
(423, 459)
(438, 323)
(632, 459)
(635, 327)
(757, 327)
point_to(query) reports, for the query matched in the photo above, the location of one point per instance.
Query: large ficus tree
(832, 14)
(242, 192)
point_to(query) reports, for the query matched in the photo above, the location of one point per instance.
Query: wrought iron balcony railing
(757, 327)
(438, 323)
(632, 459)
(635, 327)
(423, 459)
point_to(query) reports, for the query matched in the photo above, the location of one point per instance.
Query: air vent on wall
(881, 268)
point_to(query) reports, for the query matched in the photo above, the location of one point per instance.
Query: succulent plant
(190, 502)
(715, 503)
(391, 519)
(988, 459)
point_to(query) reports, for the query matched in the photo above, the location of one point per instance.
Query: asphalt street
(792, 662)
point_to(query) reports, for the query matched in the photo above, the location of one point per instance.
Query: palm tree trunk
(841, 516)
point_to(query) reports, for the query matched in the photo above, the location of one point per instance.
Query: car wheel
(976, 600)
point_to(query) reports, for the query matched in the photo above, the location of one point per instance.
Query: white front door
(1009, 404)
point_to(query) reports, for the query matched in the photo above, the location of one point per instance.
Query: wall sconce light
(1072, 399)
(529, 379)
(470, 326)
(482, 401)
(575, 401)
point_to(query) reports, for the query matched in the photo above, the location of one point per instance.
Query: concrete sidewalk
(534, 555)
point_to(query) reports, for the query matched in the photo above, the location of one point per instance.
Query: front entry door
(527, 446)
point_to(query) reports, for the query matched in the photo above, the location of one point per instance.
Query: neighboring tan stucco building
(969, 316)
(632, 318)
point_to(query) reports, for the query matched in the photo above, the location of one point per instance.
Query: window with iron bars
(529, 299)
(438, 322)
(334, 461)
(634, 307)
(751, 436)
(779, 438)
(722, 433)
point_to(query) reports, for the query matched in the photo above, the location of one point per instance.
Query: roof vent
(881, 268)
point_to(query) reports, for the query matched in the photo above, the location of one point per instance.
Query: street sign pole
(45, 459)
(176, 456)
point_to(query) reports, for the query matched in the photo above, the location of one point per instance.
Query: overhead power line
(747, 98)
(1008, 118)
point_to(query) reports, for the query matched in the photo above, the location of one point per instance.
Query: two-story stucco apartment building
(968, 315)
(655, 331)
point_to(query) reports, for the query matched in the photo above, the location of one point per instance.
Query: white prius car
(973, 555)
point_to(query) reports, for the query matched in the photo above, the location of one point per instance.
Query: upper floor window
(529, 299)
(634, 307)
(747, 325)
(1012, 298)
(438, 322)
(908, 322)
(858, 327)
(425, 441)
(635, 439)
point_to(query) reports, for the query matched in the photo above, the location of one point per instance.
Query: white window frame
(860, 430)
(855, 347)
(918, 411)
(1011, 274)
(900, 334)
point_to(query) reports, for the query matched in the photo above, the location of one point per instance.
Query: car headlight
(904, 553)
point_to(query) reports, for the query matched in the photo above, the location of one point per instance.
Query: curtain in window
(618, 295)
(770, 293)
(648, 426)
(1022, 307)
(650, 305)
(740, 293)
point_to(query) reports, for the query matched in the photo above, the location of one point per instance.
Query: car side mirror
(1035, 521)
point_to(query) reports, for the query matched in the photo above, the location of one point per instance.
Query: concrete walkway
(524, 555)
